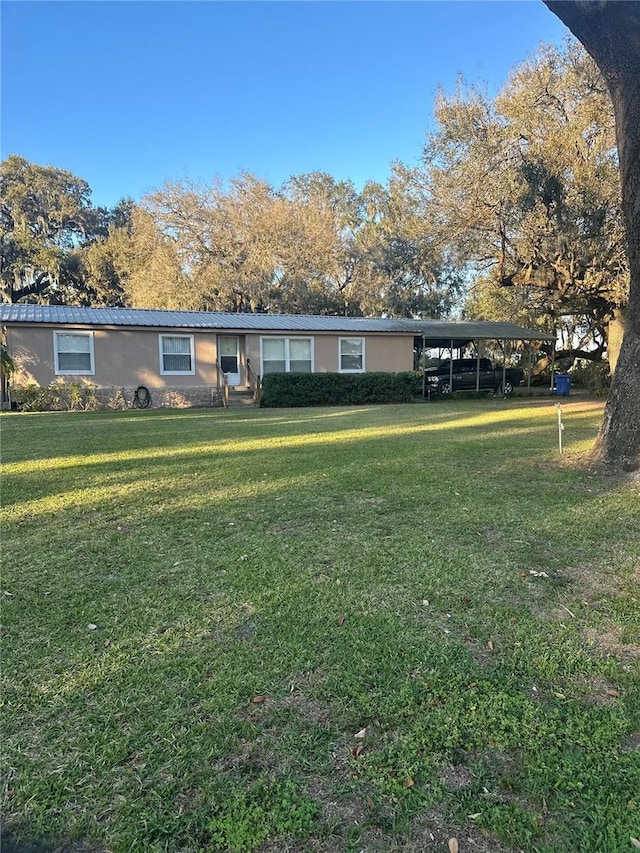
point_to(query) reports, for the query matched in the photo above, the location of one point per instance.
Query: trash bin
(563, 385)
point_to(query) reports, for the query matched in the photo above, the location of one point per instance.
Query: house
(187, 357)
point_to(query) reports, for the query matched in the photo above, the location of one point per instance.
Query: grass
(202, 609)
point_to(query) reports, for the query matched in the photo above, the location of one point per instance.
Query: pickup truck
(465, 376)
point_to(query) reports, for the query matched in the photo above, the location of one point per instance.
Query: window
(176, 355)
(286, 355)
(351, 355)
(73, 353)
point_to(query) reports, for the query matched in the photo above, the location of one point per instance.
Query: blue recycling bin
(563, 385)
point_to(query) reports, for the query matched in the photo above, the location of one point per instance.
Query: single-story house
(186, 357)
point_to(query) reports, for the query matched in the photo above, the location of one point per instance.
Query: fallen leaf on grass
(360, 735)
(91, 627)
(107, 643)
(490, 645)
(559, 695)
(408, 782)
(453, 845)
(340, 620)
(356, 752)
(613, 692)
(475, 816)
(258, 700)
(635, 842)
(370, 803)
(538, 574)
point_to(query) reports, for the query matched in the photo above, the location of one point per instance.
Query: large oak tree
(524, 189)
(610, 32)
(55, 245)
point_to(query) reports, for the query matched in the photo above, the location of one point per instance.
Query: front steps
(241, 398)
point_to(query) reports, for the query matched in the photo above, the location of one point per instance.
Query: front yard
(375, 629)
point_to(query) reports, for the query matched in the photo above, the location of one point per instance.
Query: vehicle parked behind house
(468, 374)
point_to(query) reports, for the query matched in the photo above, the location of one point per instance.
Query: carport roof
(435, 332)
(441, 333)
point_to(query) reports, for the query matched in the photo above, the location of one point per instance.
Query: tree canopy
(315, 245)
(52, 238)
(523, 191)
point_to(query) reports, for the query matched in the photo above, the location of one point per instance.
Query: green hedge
(337, 389)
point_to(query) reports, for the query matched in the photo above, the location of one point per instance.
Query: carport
(451, 335)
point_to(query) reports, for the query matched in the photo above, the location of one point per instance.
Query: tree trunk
(610, 32)
(615, 334)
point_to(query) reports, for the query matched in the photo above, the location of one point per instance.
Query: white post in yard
(560, 427)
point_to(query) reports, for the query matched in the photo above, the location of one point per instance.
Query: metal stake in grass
(560, 427)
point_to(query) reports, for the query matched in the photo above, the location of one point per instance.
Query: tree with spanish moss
(610, 32)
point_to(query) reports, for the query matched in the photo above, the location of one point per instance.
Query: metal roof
(441, 333)
(435, 332)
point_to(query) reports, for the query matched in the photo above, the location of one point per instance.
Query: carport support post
(477, 367)
(451, 368)
(424, 376)
(504, 364)
(553, 364)
(528, 365)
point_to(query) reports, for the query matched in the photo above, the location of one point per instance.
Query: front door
(229, 355)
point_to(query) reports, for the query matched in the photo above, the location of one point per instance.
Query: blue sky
(128, 95)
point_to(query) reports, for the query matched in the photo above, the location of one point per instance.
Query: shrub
(594, 376)
(67, 397)
(337, 389)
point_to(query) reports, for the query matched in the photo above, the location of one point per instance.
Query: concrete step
(241, 398)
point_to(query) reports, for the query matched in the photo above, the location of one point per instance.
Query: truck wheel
(444, 387)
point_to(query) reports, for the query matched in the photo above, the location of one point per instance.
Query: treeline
(513, 213)
(314, 245)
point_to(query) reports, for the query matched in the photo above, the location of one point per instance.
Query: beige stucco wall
(385, 352)
(123, 358)
(128, 357)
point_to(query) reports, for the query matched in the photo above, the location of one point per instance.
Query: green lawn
(202, 610)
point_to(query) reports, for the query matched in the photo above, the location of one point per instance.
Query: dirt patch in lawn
(590, 582)
(456, 776)
(306, 708)
(607, 640)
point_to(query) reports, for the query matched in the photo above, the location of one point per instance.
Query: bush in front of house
(281, 390)
(60, 397)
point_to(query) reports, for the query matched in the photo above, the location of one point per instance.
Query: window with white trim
(73, 353)
(351, 355)
(177, 355)
(286, 355)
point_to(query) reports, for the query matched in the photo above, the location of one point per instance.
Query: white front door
(229, 355)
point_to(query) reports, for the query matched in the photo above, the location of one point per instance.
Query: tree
(523, 191)
(49, 232)
(610, 32)
(415, 277)
(314, 246)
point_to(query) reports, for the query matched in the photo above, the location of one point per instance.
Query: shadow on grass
(210, 585)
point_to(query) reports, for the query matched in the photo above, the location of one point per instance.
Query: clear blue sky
(129, 94)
